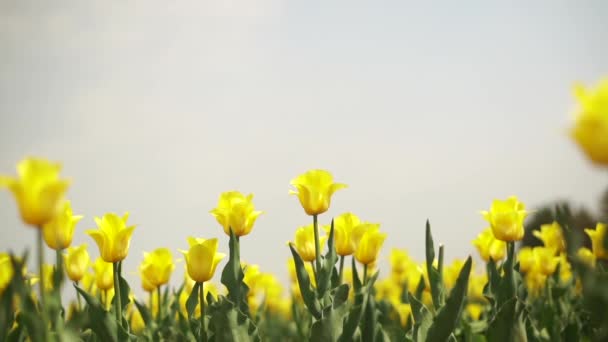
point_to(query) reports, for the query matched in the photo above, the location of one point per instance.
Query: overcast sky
(425, 111)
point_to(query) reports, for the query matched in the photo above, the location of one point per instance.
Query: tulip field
(556, 291)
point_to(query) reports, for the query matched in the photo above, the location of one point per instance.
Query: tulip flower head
(104, 274)
(369, 246)
(157, 267)
(489, 247)
(586, 256)
(590, 129)
(236, 211)
(597, 236)
(344, 225)
(59, 231)
(6, 271)
(305, 242)
(77, 262)
(38, 190)
(314, 190)
(506, 219)
(202, 258)
(552, 237)
(113, 236)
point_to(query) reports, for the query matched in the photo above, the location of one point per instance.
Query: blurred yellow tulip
(157, 267)
(369, 246)
(314, 190)
(586, 255)
(59, 231)
(597, 236)
(506, 219)
(113, 237)
(202, 258)
(489, 247)
(552, 237)
(235, 210)
(304, 242)
(6, 271)
(344, 225)
(104, 275)
(77, 262)
(38, 190)
(590, 129)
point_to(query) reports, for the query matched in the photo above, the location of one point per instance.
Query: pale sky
(426, 111)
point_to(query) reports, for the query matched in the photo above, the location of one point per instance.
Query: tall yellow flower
(369, 246)
(539, 259)
(586, 255)
(6, 271)
(552, 237)
(526, 260)
(77, 262)
(489, 247)
(202, 258)
(344, 224)
(235, 210)
(38, 190)
(104, 275)
(59, 231)
(506, 219)
(157, 267)
(113, 237)
(305, 242)
(47, 274)
(590, 129)
(314, 190)
(597, 237)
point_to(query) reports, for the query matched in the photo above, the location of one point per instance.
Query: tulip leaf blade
(434, 275)
(233, 275)
(192, 300)
(422, 319)
(327, 268)
(100, 320)
(306, 290)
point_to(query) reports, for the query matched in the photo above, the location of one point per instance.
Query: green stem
(340, 270)
(59, 268)
(42, 282)
(365, 274)
(117, 304)
(201, 298)
(160, 306)
(317, 246)
(151, 300)
(78, 299)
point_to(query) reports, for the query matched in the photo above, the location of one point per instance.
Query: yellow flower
(369, 246)
(58, 232)
(597, 237)
(202, 258)
(590, 129)
(399, 261)
(136, 322)
(537, 260)
(506, 219)
(77, 262)
(404, 311)
(565, 269)
(586, 255)
(314, 189)
(526, 259)
(6, 271)
(305, 242)
(474, 310)
(344, 225)
(476, 285)
(104, 275)
(112, 236)
(38, 190)
(552, 237)
(235, 210)
(489, 247)
(387, 289)
(47, 274)
(157, 267)
(535, 282)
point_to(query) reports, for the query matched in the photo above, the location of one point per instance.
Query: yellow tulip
(38, 190)
(113, 237)
(387, 289)
(405, 312)
(586, 255)
(597, 237)
(314, 190)
(537, 260)
(6, 271)
(59, 231)
(344, 225)
(157, 267)
(474, 310)
(47, 274)
(369, 246)
(552, 237)
(489, 247)
(202, 258)
(476, 285)
(399, 260)
(136, 322)
(590, 129)
(77, 262)
(535, 282)
(235, 210)
(506, 219)
(104, 275)
(305, 242)
(565, 269)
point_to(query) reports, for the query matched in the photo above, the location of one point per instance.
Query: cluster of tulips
(552, 292)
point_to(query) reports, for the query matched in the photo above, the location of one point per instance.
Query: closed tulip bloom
(113, 236)
(405, 312)
(104, 275)
(552, 237)
(157, 267)
(590, 129)
(314, 190)
(586, 255)
(77, 262)
(597, 236)
(489, 247)
(545, 259)
(369, 246)
(38, 190)
(202, 258)
(58, 232)
(525, 257)
(305, 242)
(400, 261)
(506, 219)
(344, 225)
(235, 210)
(6, 271)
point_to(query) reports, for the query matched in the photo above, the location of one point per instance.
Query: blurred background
(425, 111)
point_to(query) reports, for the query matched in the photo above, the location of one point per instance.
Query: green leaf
(232, 275)
(100, 320)
(502, 326)
(329, 327)
(435, 280)
(144, 312)
(448, 316)
(229, 324)
(340, 295)
(125, 290)
(356, 280)
(192, 300)
(370, 319)
(306, 290)
(423, 319)
(327, 269)
(6, 311)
